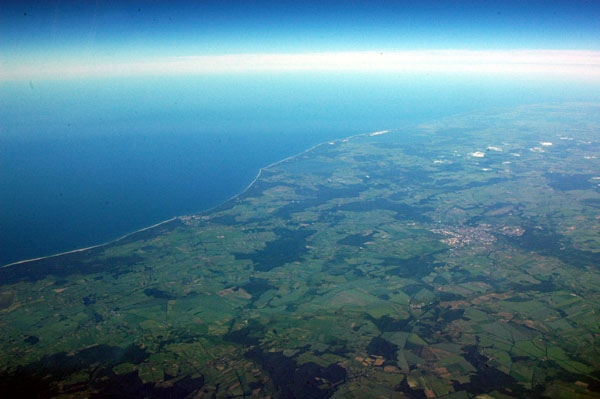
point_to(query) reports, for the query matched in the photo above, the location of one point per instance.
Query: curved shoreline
(199, 212)
(91, 247)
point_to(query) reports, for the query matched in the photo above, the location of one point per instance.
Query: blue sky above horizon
(74, 39)
(115, 29)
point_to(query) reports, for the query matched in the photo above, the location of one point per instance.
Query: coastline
(91, 247)
(199, 212)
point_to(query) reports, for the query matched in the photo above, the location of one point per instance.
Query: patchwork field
(457, 259)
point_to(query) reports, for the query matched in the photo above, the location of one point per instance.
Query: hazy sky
(37, 34)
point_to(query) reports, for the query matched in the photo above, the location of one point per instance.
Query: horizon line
(579, 64)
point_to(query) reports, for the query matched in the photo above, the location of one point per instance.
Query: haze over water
(85, 162)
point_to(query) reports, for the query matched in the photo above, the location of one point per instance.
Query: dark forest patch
(547, 242)
(88, 300)
(257, 286)
(440, 280)
(568, 182)
(488, 378)
(449, 315)
(6, 299)
(356, 240)
(308, 380)
(382, 347)
(289, 247)
(31, 340)
(544, 286)
(448, 296)
(249, 335)
(39, 379)
(159, 294)
(414, 267)
(387, 324)
(85, 262)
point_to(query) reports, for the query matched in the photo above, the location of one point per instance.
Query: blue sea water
(86, 161)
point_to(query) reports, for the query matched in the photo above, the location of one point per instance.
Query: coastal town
(445, 260)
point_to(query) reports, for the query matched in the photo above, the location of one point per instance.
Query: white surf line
(92, 247)
(209, 210)
(306, 151)
(206, 211)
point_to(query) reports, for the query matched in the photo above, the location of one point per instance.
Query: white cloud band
(578, 64)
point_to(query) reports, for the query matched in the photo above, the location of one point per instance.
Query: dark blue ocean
(86, 161)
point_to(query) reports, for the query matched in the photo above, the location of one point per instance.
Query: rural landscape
(454, 259)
